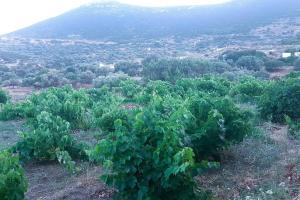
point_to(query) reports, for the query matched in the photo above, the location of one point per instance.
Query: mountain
(119, 21)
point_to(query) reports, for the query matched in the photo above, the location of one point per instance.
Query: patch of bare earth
(9, 133)
(19, 93)
(49, 181)
(259, 168)
(282, 72)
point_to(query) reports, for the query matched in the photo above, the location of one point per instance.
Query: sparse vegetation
(175, 116)
(281, 98)
(13, 184)
(3, 97)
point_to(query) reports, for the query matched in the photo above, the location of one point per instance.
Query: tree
(87, 77)
(250, 63)
(273, 64)
(297, 64)
(281, 98)
(3, 96)
(132, 69)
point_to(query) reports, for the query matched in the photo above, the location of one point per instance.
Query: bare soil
(9, 133)
(282, 72)
(259, 168)
(49, 181)
(19, 93)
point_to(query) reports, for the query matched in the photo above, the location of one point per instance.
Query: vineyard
(154, 138)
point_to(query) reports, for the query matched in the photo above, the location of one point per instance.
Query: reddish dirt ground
(49, 181)
(19, 93)
(262, 168)
(281, 72)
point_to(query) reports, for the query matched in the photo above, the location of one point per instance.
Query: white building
(286, 55)
(297, 54)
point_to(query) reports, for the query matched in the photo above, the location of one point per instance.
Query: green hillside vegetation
(157, 136)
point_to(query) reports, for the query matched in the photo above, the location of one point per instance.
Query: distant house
(109, 66)
(297, 54)
(286, 55)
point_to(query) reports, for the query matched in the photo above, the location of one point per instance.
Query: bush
(281, 98)
(87, 77)
(216, 123)
(132, 69)
(71, 105)
(3, 97)
(272, 65)
(11, 111)
(111, 80)
(13, 183)
(234, 56)
(248, 90)
(211, 85)
(293, 128)
(130, 88)
(50, 135)
(174, 69)
(146, 160)
(250, 63)
(297, 64)
(153, 151)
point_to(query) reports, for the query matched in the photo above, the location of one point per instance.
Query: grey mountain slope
(120, 21)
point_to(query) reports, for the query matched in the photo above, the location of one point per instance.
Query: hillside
(120, 21)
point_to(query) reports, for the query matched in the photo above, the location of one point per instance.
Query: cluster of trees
(232, 63)
(280, 99)
(249, 62)
(258, 61)
(174, 69)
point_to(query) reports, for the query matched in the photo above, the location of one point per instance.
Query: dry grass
(49, 181)
(258, 168)
(19, 93)
(9, 133)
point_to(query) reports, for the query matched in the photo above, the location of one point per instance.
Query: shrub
(71, 105)
(293, 128)
(146, 160)
(272, 65)
(132, 69)
(111, 80)
(13, 183)
(151, 151)
(130, 88)
(11, 111)
(234, 56)
(250, 63)
(87, 77)
(211, 85)
(49, 136)
(248, 89)
(297, 64)
(281, 98)
(216, 123)
(3, 97)
(174, 69)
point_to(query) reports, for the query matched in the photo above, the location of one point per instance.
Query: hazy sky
(16, 14)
